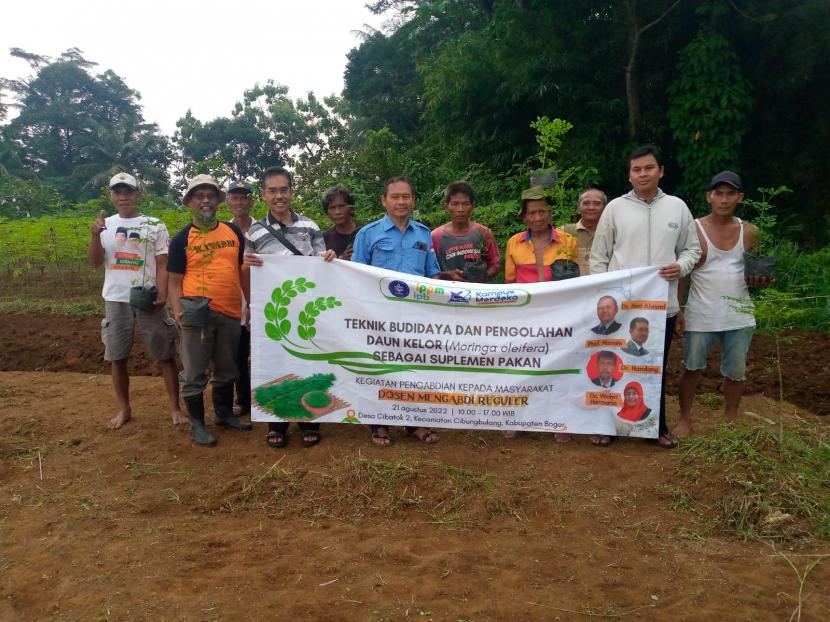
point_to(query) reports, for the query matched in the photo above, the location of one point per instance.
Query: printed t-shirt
(209, 261)
(472, 252)
(130, 249)
(337, 241)
(520, 261)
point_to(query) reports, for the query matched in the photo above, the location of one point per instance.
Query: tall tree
(63, 112)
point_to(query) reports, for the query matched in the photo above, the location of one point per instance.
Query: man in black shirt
(338, 204)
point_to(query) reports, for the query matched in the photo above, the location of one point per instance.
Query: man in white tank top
(719, 308)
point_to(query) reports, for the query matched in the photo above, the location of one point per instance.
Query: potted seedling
(549, 137)
(760, 263)
(141, 296)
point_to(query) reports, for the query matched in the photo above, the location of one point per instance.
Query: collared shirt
(383, 245)
(303, 233)
(584, 238)
(520, 260)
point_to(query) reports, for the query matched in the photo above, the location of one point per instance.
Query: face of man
(606, 310)
(398, 200)
(606, 368)
(133, 241)
(125, 199)
(340, 212)
(591, 206)
(724, 199)
(639, 333)
(120, 238)
(459, 208)
(632, 398)
(537, 216)
(277, 192)
(203, 201)
(240, 203)
(644, 174)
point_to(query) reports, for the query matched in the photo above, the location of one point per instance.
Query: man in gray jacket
(648, 227)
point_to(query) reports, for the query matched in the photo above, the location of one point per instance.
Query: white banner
(344, 342)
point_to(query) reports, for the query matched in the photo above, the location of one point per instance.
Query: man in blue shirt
(396, 242)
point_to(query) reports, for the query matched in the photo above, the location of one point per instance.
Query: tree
(63, 113)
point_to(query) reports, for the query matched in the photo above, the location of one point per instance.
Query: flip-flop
(311, 437)
(671, 444)
(275, 440)
(380, 440)
(602, 440)
(429, 437)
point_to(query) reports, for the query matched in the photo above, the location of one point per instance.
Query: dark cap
(533, 194)
(239, 186)
(726, 177)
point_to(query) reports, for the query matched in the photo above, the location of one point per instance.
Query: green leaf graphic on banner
(278, 325)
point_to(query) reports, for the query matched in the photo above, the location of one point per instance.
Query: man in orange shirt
(205, 261)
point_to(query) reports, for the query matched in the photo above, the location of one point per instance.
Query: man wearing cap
(530, 254)
(591, 205)
(713, 314)
(240, 200)
(205, 262)
(648, 227)
(144, 264)
(283, 232)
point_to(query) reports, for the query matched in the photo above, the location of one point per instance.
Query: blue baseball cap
(240, 186)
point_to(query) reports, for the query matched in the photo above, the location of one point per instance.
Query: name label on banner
(332, 343)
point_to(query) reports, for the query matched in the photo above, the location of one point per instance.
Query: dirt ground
(140, 524)
(41, 342)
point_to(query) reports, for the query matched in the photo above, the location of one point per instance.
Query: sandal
(275, 440)
(665, 441)
(311, 437)
(602, 440)
(563, 437)
(381, 440)
(426, 435)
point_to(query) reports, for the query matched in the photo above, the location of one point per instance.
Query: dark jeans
(670, 324)
(243, 382)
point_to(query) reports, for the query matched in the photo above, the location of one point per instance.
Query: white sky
(201, 55)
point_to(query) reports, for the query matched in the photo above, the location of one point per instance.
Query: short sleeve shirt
(473, 252)
(520, 260)
(383, 245)
(130, 249)
(303, 233)
(209, 261)
(338, 242)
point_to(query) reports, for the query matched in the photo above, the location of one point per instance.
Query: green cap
(533, 194)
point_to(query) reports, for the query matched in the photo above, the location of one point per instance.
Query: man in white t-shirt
(140, 263)
(719, 309)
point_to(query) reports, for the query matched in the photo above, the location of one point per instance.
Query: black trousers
(243, 382)
(670, 324)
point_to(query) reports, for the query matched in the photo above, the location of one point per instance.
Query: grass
(775, 490)
(358, 487)
(26, 304)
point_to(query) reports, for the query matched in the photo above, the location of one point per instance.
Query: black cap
(726, 177)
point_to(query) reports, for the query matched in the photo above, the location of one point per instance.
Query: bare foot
(730, 419)
(179, 420)
(510, 433)
(683, 429)
(120, 419)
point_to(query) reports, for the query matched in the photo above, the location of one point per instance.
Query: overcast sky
(201, 55)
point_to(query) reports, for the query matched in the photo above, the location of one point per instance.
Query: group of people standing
(213, 259)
